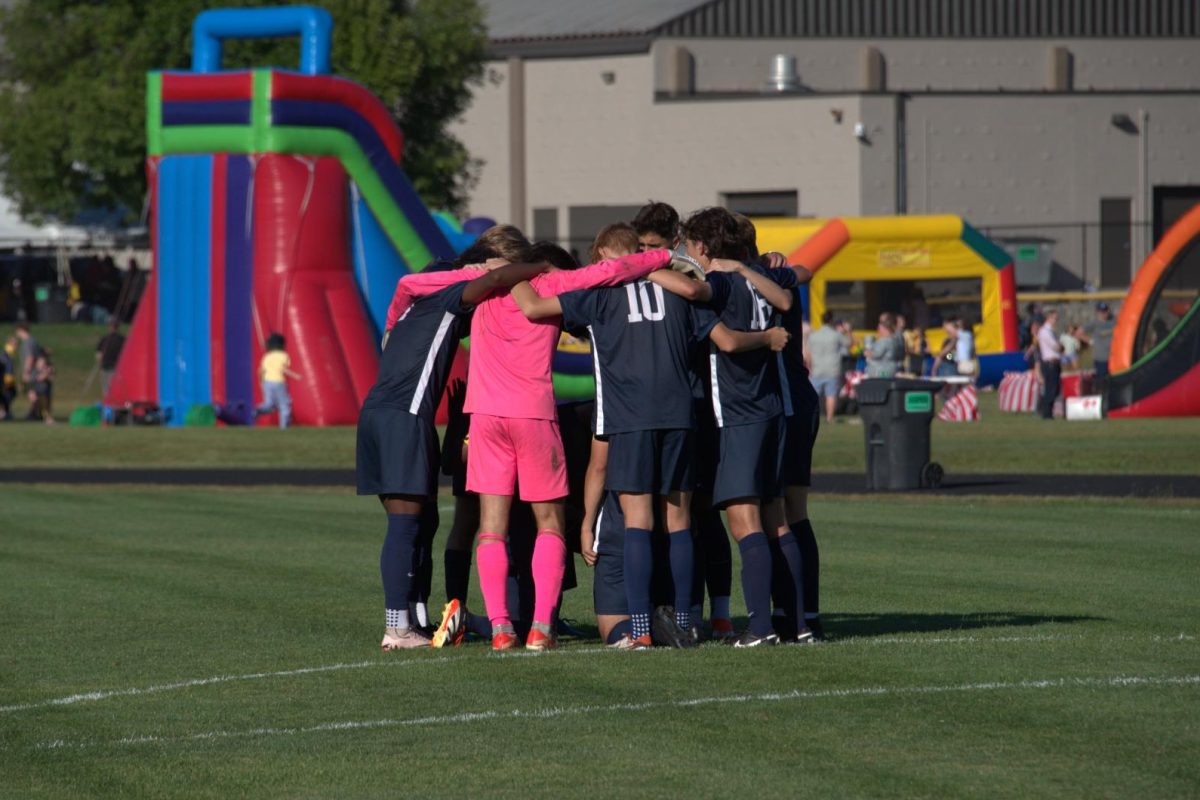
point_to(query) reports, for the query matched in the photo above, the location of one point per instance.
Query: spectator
(1025, 326)
(1070, 347)
(826, 346)
(8, 377)
(964, 347)
(1097, 334)
(27, 350)
(914, 346)
(41, 394)
(885, 353)
(943, 365)
(1050, 355)
(273, 371)
(108, 352)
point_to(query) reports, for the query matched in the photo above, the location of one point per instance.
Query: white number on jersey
(761, 311)
(640, 307)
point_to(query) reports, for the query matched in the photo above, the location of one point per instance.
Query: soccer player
(747, 403)
(514, 437)
(397, 442)
(796, 614)
(641, 340)
(657, 225)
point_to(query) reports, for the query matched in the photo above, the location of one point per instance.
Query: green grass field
(203, 643)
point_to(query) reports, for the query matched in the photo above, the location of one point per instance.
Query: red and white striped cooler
(1019, 392)
(962, 407)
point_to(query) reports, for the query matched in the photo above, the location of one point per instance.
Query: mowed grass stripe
(552, 712)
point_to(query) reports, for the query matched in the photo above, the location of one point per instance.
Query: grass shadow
(884, 624)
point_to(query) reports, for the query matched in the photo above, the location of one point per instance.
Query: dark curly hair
(717, 230)
(552, 254)
(659, 218)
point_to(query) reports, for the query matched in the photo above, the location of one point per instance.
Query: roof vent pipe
(783, 76)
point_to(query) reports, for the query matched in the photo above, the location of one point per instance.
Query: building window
(763, 204)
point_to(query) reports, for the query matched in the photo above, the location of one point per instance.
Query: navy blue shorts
(608, 590)
(800, 435)
(397, 453)
(650, 462)
(708, 447)
(751, 463)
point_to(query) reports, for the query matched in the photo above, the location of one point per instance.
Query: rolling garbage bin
(896, 414)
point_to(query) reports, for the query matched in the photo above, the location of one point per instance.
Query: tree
(72, 102)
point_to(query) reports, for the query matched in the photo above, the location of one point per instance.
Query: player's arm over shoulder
(532, 304)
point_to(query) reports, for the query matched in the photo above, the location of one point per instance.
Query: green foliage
(72, 116)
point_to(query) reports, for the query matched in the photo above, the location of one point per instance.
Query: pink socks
(491, 556)
(549, 563)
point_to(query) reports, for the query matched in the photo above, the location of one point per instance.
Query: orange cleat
(503, 640)
(723, 629)
(539, 641)
(452, 628)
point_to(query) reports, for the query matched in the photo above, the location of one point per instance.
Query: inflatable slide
(277, 205)
(1155, 359)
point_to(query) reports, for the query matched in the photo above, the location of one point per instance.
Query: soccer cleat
(641, 643)
(722, 629)
(403, 639)
(666, 631)
(626, 642)
(818, 630)
(751, 639)
(803, 636)
(784, 626)
(453, 626)
(504, 640)
(539, 641)
(568, 627)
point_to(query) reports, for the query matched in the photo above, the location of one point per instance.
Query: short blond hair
(619, 236)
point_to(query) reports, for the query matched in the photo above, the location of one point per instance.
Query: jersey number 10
(640, 307)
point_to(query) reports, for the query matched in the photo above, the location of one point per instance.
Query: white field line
(1115, 682)
(91, 697)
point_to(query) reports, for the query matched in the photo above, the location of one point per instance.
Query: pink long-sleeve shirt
(511, 355)
(412, 287)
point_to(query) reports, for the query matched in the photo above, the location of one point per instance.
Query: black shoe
(785, 627)
(818, 630)
(566, 627)
(751, 639)
(666, 631)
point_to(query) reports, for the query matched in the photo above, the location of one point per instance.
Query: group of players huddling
(703, 404)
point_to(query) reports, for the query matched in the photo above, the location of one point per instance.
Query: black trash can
(896, 413)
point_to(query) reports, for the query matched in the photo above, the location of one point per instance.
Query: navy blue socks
(639, 563)
(793, 581)
(811, 560)
(396, 566)
(756, 580)
(682, 566)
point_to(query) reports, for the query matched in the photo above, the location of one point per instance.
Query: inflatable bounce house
(927, 267)
(277, 204)
(1155, 358)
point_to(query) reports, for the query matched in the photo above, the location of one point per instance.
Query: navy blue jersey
(641, 339)
(416, 362)
(744, 386)
(796, 390)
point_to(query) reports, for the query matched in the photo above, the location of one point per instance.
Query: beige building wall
(600, 132)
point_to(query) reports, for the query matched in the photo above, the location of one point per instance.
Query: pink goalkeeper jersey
(511, 355)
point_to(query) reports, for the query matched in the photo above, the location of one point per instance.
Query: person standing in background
(108, 352)
(884, 355)
(273, 371)
(1098, 334)
(826, 346)
(1050, 350)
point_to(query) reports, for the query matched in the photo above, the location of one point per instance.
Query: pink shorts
(503, 452)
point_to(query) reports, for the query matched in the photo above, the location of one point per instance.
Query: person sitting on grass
(273, 370)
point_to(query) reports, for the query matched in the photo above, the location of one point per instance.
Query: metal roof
(523, 20)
